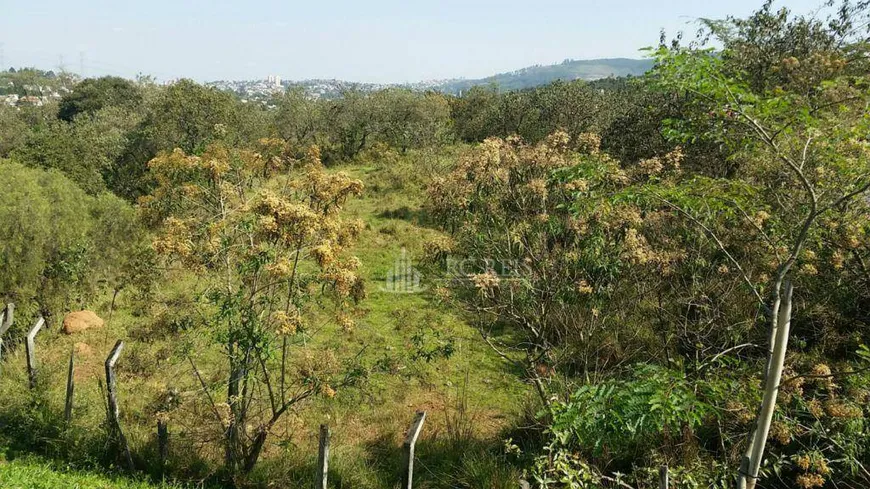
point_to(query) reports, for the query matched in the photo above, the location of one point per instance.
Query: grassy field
(469, 396)
(34, 473)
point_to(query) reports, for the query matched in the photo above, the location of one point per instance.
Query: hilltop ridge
(528, 77)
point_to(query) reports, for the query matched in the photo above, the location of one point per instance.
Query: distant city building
(274, 80)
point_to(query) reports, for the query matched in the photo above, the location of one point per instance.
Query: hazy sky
(368, 40)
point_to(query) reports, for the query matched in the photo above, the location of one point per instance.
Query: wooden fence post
(663, 477)
(6, 318)
(162, 440)
(70, 386)
(322, 458)
(30, 346)
(408, 446)
(113, 412)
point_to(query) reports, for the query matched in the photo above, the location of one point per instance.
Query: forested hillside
(568, 70)
(584, 284)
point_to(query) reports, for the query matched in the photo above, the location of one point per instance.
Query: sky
(379, 41)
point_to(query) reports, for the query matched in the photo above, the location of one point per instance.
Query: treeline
(105, 131)
(658, 223)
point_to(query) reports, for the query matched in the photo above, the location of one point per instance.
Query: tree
(87, 150)
(350, 125)
(298, 119)
(404, 119)
(794, 111)
(475, 114)
(13, 130)
(60, 244)
(262, 233)
(543, 234)
(93, 94)
(187, 116)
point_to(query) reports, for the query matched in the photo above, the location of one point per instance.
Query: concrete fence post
(113, 411)
(30, 347)
(322, 458)
(408, 446)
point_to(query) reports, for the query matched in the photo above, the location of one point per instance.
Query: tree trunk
(749, 466)
(232, 433)
(255, 450)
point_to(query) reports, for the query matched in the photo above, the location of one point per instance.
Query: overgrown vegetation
(607, 276)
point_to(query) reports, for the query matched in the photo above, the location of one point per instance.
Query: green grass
(471, 385)
(34, 473)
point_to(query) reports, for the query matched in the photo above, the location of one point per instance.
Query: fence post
(408, 446)
(6, 318)
(30, 346)
(10, 315)
(663, 477)
(113, 412)
(163, 439)
(322, 458)
(70, 386)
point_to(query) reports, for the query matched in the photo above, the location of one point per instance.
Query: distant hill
(532, 76)
(570, 69)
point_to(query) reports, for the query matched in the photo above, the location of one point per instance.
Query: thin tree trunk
(232, 399)
(751, 462)
(255, 450)
(162, 443)
(112, 307)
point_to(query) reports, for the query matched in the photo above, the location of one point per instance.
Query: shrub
(59, 245)
(624, 418)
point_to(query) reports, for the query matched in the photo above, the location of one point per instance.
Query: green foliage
(13, 130)
(624, 112)
(32, 82)
(93, 94)
(187, 116)
(627, 417)
(297, 119)
(580, 254)
(33, 473)
(404, 119)
(85, 150)
(61, 244)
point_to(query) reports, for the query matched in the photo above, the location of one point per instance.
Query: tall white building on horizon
(274, 80)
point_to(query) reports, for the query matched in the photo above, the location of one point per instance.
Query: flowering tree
(603, 256)
(263, 235)
(544, 236)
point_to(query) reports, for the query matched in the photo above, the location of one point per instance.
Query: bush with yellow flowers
(263, 234)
